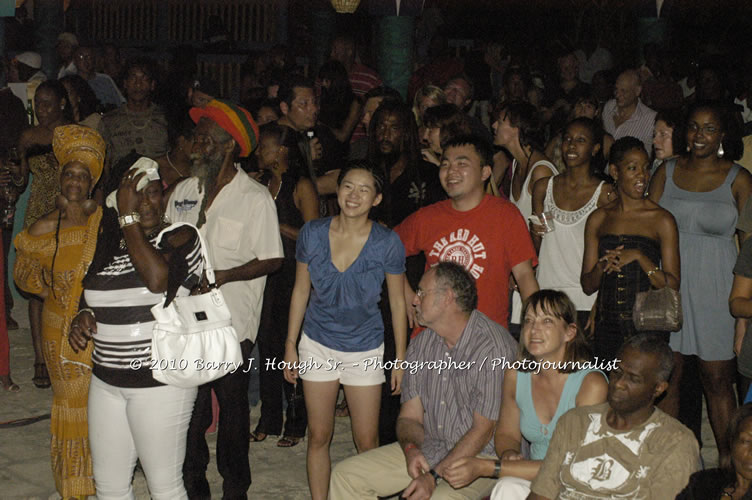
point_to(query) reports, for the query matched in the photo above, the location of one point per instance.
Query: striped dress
(122, 305)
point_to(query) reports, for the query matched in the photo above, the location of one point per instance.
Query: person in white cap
(26, 67)
(67, 43)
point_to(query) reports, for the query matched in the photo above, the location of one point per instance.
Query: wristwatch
(435, 476)
(129, 219)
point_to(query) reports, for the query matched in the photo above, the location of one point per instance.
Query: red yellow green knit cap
(235, 120)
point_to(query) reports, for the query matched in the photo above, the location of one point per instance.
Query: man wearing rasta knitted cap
(238, 220)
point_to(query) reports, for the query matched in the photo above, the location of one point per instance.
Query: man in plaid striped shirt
(451, 395)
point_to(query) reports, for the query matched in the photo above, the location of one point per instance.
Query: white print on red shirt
(463, 248)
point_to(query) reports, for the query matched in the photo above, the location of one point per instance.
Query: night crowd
(358, 232)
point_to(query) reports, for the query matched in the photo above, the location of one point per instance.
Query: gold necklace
(278, 189)
(147, 119)
(180, 174)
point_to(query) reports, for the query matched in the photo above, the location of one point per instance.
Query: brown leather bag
(658, 309)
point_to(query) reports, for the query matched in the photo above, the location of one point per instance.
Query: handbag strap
(208, 269)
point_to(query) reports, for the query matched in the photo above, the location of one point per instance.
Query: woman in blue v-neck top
(342, 262)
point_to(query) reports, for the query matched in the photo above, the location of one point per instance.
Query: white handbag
(193, 341)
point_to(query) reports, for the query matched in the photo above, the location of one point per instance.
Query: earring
(61, 202)
(720, 151)
(688, 148)
(166, 219)
(89, 206)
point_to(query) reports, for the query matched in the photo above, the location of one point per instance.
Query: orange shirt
(488, 240)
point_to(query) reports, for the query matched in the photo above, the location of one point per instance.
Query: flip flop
(8, 384)
(257, 437)
(288, 441)
(341, 410)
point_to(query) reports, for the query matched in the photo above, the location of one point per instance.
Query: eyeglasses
(420, 293)
(705, 129)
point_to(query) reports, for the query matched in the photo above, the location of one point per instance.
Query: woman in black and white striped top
(130, 414)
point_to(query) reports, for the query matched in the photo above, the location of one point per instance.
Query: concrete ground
(25, 457)
(25, 471)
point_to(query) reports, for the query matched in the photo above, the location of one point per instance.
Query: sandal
(41, 378)
(341, 410)
(8, 385)
(257, 437)
(288, 441)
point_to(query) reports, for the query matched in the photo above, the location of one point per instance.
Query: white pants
(147, 423)
(511, 488)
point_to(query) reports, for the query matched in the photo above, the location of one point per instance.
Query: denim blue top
(343, 310)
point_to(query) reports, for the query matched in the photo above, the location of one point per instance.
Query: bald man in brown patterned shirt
(451, 395)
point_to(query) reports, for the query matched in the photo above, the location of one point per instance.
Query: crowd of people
(466, 269)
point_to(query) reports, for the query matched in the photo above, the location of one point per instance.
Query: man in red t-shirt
(484, 233)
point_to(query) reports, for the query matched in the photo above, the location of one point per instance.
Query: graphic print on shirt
(417, 193)
(464, 248)
(185, 205)
(120, 265)
(604, 472)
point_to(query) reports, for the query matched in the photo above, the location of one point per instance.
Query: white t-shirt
(241, 225)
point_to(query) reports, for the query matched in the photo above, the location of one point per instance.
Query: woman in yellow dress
(53, 256)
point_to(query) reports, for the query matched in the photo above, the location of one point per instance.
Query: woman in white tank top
(516, 129)
(570, 198)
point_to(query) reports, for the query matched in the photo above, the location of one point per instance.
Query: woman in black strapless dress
(631, 245)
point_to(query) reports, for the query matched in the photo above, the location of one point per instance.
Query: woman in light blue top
(534, 399)
(342, 262)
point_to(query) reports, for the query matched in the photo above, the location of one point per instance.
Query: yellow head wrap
(77, 143)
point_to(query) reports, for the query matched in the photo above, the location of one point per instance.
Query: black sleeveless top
(287, 212)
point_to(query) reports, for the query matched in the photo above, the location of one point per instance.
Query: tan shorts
(322, 364)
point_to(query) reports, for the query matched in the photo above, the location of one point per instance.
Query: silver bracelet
(86, 309)
(129, 219)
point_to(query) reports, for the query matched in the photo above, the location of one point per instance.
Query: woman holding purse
(131, 415)
(631, 245)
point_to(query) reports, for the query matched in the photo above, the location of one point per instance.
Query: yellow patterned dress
(70, 372)
(45, 185)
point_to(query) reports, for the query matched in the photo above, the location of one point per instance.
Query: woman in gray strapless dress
(705, 191)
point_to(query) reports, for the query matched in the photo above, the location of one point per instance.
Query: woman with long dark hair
(339, 107)
(83, 101)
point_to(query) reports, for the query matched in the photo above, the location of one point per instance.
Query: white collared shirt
(241, 225)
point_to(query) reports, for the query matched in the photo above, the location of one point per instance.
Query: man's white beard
(207, 171)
